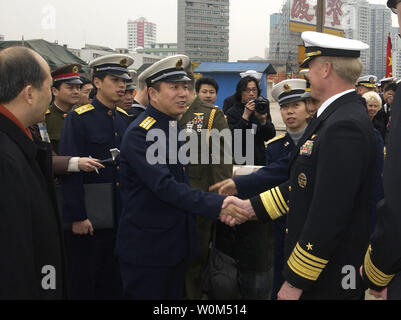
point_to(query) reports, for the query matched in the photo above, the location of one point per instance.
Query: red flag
(389, 60)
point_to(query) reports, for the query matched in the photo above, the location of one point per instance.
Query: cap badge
(302, 180)
(123, 62)
(179, 64)
(75, 69)
(287, 88)
(372, 80)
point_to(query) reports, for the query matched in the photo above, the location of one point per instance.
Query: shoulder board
(147, 123)
(276, 139)
(122, 111)
(84, 109)
(48, 112)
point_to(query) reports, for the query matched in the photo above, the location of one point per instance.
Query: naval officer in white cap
(366, 84)
(157, 234)
(92, 131)
(331, 175)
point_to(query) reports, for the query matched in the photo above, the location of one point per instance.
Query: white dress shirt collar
(328, 102)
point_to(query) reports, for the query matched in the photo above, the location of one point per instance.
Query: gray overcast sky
(103, 22)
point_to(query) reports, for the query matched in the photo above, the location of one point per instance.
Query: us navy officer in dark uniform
(92, 131)
(290, 94)
(157, 235)
(331, 179)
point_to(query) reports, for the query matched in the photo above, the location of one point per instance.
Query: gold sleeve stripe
(308, 261)
(270, 206)
(300, 271)
(311, 257)
(211, 120)
(287, 209)
(277, 200)
(374, 274)
(306, 270)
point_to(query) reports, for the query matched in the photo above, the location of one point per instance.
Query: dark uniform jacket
(30, 229)
(158, 225)
(54, 122)
(383, 257)
(327, 197)
(202, 176)
(91, 130)
(261, 135)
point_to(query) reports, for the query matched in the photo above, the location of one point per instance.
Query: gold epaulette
(147, 123)
(122, 111)
(84, 109)
(276, 139)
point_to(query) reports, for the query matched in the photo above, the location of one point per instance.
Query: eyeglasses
(254, 90)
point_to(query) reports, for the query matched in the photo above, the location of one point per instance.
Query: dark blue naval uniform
(92, 130)
(278, 154)
(157, 233)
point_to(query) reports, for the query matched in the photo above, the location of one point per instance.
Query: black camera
(262, 105)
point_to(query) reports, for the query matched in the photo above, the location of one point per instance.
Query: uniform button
(290, 188)
(286, 231)
(110, 113)
(116, 134)
(184, 169)
(118, 168)
(118, 184)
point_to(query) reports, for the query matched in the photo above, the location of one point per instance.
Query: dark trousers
(93, 268)
(279, 239)
(153, 283)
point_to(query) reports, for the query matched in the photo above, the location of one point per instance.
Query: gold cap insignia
(75, 69)
(123, 62)
(372, 80)
(287, 88)
(179, 64)
(302, 180)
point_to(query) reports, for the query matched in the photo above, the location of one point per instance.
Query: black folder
(99, 203)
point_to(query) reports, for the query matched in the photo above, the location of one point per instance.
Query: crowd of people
(86, 215)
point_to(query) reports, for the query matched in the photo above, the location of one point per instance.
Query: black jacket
(31, 241)
(263, 133)
(327, 201)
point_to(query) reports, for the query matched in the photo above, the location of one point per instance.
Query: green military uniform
(55, 116)
(54, 122)
(202, 116)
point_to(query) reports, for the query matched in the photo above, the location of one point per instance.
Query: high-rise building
(141, 33)
(380, 29)
(203, 30)
(283, 43)
(2, 37)
(356, 26)
(371, 24)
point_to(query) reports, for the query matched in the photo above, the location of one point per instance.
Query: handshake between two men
(234, 211)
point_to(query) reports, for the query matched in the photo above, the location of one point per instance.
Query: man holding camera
(248, 114)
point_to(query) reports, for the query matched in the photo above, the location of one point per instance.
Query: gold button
(286, 231)
(290, 188)
(116, 134)
(118, 184)
(110, 113)
(118, 168)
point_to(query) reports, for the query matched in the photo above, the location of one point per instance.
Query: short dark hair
(390, 86)
(19, 68)
(243, 84)
(85, 81)
(206, 81)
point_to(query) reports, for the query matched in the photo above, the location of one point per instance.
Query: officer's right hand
(226, 187)
(82, 228)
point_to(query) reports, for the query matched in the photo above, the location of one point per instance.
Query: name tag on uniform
(307, 148)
